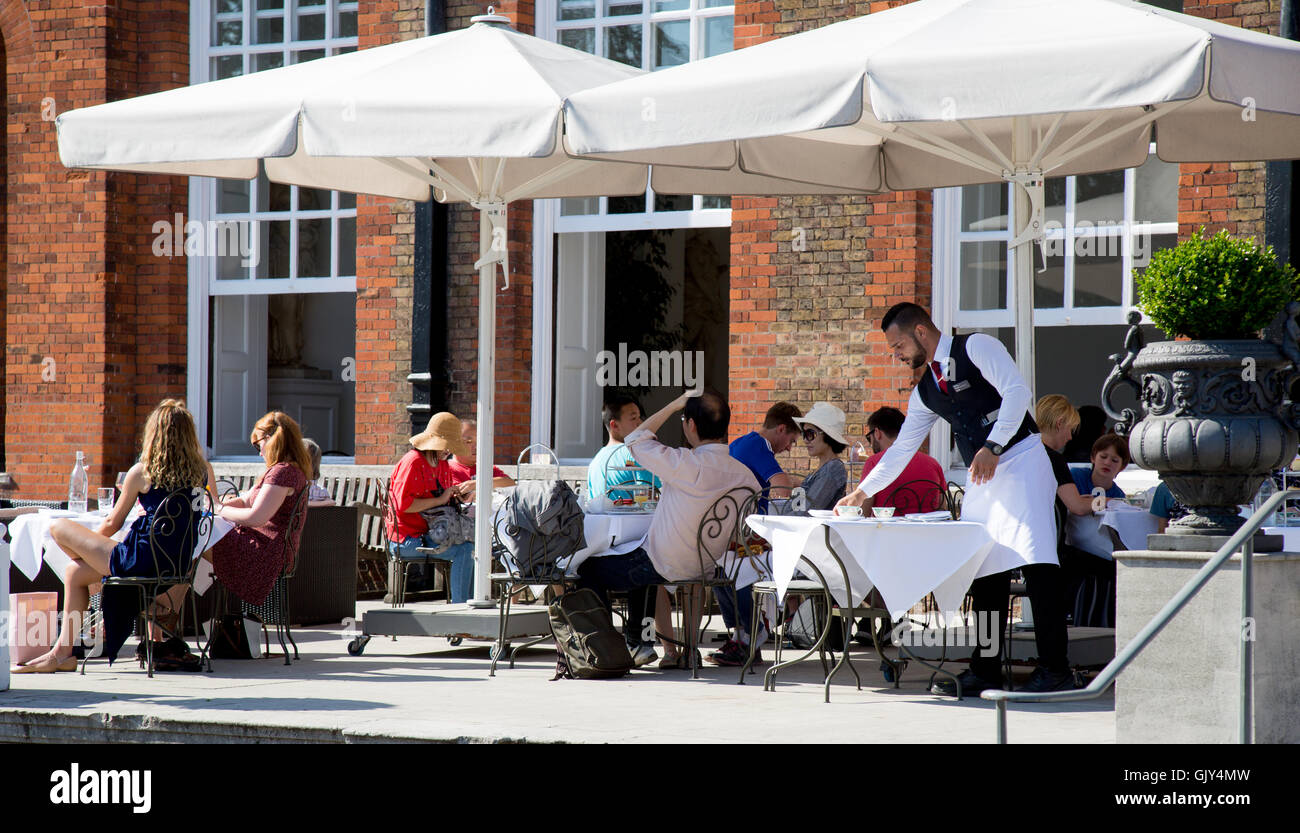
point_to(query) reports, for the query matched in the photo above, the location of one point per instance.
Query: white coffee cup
(849, 511)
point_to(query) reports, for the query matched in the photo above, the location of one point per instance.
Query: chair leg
(287, 621)
(503, 617)
(753, 635)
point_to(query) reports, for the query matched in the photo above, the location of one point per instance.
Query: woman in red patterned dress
(249, 559)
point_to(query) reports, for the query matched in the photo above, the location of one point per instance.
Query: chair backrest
(955, 495)
(293, 532)
(720, 526)
(179, 526)
(917, 496)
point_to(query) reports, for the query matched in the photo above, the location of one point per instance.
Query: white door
(238, 371)
(579, 337)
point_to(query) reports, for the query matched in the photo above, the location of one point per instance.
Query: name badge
(957, 387)
(991, 417)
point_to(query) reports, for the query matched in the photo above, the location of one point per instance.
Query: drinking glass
(105, 497)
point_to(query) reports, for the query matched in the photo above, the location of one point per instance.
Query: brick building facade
(95, 326)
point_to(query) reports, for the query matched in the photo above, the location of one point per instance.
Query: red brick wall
(83, 287)
(385, 277)
(805, 323)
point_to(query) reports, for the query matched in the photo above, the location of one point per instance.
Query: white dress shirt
(693, 479)
(997, 366)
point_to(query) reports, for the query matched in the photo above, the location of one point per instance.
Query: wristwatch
(994, 447)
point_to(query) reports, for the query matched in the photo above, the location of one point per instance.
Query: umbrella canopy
(940, 93)
(473, 115)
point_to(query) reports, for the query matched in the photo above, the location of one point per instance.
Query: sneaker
(643, 654)
(1045, 680)
(971, 685)
(733, 655)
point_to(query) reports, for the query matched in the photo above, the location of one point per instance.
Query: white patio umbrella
(472, 115)
(940, 93)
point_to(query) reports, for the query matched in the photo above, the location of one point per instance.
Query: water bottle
(1266, 491)
(78, 486)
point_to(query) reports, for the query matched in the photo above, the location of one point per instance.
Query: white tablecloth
(1132, 525)
(31, 539)
(612, 534)
(905, 561)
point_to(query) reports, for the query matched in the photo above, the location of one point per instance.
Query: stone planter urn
(1217, 419)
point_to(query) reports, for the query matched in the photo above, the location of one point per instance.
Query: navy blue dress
(134, 556)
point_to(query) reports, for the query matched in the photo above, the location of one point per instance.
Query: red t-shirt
(922, 467)
(461, 472)
(414, 478)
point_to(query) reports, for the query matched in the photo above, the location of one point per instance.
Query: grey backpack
(589, 647)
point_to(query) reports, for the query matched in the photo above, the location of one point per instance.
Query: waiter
(972, 383)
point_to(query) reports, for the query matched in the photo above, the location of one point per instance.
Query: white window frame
(946, 275)
(202, 203)
(548, 222)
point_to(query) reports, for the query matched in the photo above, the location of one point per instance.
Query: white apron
(1016, 509)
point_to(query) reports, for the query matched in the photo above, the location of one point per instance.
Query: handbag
(234, 637)
(449, 525)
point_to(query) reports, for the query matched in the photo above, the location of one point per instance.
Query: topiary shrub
(1215, 287)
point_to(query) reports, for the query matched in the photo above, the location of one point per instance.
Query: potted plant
(1217, 414)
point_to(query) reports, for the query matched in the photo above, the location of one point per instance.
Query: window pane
(672, 43)
(311, 27)
(1155, 198)
(275, 261)
(228, 6)
(673, 202)
(573, 207)
(347, 25)
(347, 246)
(716, 202)
(313, 199)
(984, 207)
(983, 276)
(308, 55)
(719, 36)
(232, 196)
(626, 205)
(314, 248)
(303, 3)
(347, 199)
(1049, 286)
(228, 33)
(227, 66)
(268, 60)
(230, 266)
(623, 44)
(1098, 271)
(1145, 245)
(581, 39)
(576, 9)
(1099, 198)
(716, 4)
(671, 5)
(1054, 201)
(270, 30)
(267, 5)
(279, 196)
(614, 8)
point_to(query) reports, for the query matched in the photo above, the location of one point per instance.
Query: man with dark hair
(921, 485)
(622, 415)
(758, 449)
(971, 382)
(693, 479)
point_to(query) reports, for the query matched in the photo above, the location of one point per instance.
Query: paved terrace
(423, 689)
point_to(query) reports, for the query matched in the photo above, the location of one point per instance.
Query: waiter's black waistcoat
(971, 404)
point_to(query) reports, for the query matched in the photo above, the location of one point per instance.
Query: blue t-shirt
(1163, 504)
(603, 473)
(1083, 481)
(752, 450)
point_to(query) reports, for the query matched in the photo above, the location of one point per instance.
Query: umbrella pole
(487, 337)
(1028, 193)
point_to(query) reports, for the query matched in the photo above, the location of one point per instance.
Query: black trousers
(990, 596)
(1089, 585)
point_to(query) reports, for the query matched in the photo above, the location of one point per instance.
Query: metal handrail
(1244, 540)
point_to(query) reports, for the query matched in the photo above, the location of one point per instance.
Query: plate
(820, 513)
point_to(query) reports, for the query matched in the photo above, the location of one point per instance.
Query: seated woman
(422, 480)
(464, 468)
(317, 496)
(250, 557)
(823, 436)
(1088, 550)
(170, 460)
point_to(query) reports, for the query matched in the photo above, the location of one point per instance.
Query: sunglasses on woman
(810, 434)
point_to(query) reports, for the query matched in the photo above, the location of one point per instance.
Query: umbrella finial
(491, 17)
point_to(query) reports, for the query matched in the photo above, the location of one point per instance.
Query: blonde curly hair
(170, 451)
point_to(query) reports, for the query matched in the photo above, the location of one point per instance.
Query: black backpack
(589, 648)
(806, 625)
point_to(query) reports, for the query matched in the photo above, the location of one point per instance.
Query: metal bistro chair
(514, 577)
(179, 527)
(399, 569)
(275, 609)
(721, 529)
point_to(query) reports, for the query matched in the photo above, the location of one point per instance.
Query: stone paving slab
(423, 689)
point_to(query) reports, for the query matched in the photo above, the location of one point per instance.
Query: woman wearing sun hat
(422, 480)
(823, 436)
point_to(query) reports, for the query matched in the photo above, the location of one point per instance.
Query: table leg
(769, 678)
(848, 623)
